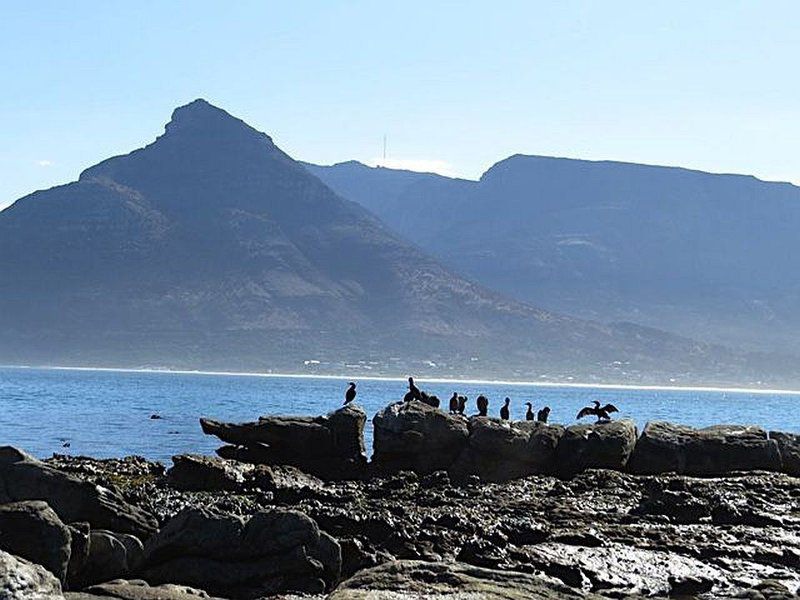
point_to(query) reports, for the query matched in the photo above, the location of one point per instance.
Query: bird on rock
(529, 412)
(350, 394)
(504, 412)
(601, 412)
(483, 405)
(413, 391)
(454, 403)
(462, 404)
(543, 414)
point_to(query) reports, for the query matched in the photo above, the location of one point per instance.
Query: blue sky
(456, 86)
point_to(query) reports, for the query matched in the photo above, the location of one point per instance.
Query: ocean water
(107, 413)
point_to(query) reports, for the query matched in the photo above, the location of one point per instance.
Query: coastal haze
(212, 249)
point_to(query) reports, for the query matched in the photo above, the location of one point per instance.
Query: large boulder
(789, 447)
(665, 447)
(111, 556)
(238, 557)
(408, 579)
(604, 445)
(501, 450)
(417, 437)
(330, 446)
(23, 580)
(22, 477)
(137, 589)
(31, 530)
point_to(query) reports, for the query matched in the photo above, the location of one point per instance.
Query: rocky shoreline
(447, 507)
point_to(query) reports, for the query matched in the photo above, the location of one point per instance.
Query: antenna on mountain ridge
(384, 150)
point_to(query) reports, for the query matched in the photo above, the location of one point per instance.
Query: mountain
(709, 256)
(210, 248)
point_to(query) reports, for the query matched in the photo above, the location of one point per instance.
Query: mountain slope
(710, 256)
(211, 248)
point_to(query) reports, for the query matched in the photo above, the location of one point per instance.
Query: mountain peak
(202, 116)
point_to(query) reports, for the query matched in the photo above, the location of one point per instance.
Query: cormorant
(462, 404)
(504, 412)
(454, 403)
(431, 400)
(483, 405)
(413, 391)
(350, 394)
(529, 412)
(543, 414)
(601, 412)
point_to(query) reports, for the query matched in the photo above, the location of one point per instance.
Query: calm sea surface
(107, 414)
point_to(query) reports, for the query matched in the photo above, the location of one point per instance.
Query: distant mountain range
(713, 257)
(211, 248)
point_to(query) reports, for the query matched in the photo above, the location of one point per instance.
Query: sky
(454, 86)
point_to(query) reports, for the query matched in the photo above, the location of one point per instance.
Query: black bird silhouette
(601, 412)
(504, 412)
(66, 445)
(529, 412)
(462, 404)
(543, 414)
(483, 405)
(413, 391)
(454, 403)
(350, 394)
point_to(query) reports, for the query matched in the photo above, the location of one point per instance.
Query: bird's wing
(585, 412)
(609, 408)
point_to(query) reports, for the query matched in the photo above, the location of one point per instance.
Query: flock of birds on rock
(458, 405)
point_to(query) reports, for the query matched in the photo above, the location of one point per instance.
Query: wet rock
(606, 445)
(22, 477)
(139, 590)
(330, 446)
(239, 557)
(417, 437)
(23, 580)
(31, 530)
(404, 579)
(789, 448)
(501, 450)
(679, 506)
(665, 447)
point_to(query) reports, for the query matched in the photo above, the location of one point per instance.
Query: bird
(66, 445)
(462, 404)
(413, 391)
(543, 414)
(350, 394)
(504, 412)
(483, 405)
(601, 412)
(529, 412)
(454, 403)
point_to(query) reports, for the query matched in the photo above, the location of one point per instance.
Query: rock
(79, 553)
(232, 556)
(408, 579)
(789, 448)
(717, 450)
(23, 580)
(139, 590)
(193, 472)
(22, 477)
(31, 530)
(330, 446)
(689, 586)
(111, 556)
(606, 445)
(501, 450)
(417, 437)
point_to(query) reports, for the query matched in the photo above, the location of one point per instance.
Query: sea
(107, 413)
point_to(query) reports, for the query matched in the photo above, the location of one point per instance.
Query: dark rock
(417, 437)
(356, 556)
(666, 447)
(689, 586)
(406, 579)
(267, 553)
(31, 530)
(22, 477)
(606, 445)
(501, 450)
(725, 513)
(330, 446)
(679, 506)
(23, 580)
(79, 553)
(195, 472)
(111, 556)
(789, 447)
(139, 590)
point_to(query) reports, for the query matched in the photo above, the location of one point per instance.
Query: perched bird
(543, 414)
(462, 404)
(529, 412)
(601, 412)
(483, 405)
(350, 394)
(454, 403)
(413, 391)
(504, 412)
(66, 445)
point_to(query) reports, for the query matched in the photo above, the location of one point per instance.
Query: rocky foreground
(447, 507)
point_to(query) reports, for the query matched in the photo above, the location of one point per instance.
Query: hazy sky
(455, 86)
